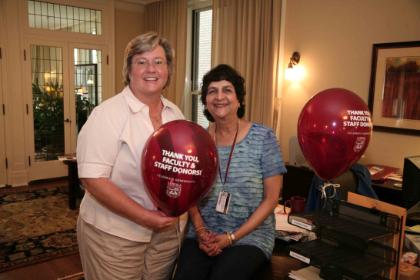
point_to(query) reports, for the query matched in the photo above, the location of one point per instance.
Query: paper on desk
(288, 236)
(394, 177)
(412, 242)
(413, 229)
(306, 273)
(282, 222)
(67, 157)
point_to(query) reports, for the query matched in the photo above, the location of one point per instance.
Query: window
(201, 62)
(64, 18)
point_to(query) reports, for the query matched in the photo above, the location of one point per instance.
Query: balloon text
(358, 118)
(179, 163)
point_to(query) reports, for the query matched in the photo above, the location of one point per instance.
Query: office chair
(356, 179)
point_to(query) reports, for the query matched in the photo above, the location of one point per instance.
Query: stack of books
(287, 231)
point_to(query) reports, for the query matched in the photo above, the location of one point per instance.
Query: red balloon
(179, 165)
(334, 130)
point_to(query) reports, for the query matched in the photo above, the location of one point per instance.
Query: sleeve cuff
(93, 170)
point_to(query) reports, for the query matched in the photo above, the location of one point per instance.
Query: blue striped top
(255, 158)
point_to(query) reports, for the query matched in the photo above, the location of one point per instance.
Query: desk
(388, 192)
(75, 191)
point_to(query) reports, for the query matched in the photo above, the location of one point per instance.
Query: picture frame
(394, 90)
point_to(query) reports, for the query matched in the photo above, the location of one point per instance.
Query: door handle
(67, 120)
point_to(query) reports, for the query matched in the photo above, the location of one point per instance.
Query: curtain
(169, 19)
(401, 97)
(411, 91)
(246, 35)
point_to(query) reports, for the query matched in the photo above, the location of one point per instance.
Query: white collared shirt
(110, 145)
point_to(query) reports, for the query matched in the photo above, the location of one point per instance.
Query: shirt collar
(136, 105)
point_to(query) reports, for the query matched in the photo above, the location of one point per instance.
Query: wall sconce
(90, 78)
(293, 71)
(82, 90)
(90, 81)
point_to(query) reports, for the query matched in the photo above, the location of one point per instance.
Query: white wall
(335, 41)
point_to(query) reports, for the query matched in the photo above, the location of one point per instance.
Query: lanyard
(230, 154)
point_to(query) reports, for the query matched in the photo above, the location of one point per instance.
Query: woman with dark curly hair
(231, 232)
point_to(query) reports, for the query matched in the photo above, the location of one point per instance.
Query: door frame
(3, 148)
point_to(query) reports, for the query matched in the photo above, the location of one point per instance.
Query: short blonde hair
(144, 43)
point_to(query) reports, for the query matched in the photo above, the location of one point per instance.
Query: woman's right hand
(205, 236)
(207, 242)
(157, 220)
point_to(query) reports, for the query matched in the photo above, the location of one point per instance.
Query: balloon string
(230, 154)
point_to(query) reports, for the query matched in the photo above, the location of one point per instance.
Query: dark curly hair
(219, 73)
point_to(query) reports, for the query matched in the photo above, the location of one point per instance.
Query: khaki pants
(106, 256)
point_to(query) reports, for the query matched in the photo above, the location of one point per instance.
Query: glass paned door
(47, 109)
(47, 102)
(66, 83)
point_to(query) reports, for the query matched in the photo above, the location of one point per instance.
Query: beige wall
(335, 41)
(128, 24)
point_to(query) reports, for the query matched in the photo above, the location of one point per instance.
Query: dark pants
(239, 262)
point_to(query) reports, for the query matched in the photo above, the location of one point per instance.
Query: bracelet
(232, 236)
(229, 238)
(200, 229)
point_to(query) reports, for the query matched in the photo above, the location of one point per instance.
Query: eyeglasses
(156, 63)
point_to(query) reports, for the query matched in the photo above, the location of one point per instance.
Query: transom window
(60, 17)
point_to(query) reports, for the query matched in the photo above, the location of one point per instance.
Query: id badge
(222, 205)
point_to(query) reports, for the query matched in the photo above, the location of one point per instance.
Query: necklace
(230, 154)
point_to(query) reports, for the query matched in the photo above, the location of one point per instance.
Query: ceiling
(143, 2)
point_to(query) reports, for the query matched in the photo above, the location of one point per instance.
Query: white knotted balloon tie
(329, 190)
(328, 195)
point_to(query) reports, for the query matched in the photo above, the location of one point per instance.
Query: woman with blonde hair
(121, 233)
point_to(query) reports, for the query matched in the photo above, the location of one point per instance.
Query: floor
(279, 267)
(49, 270)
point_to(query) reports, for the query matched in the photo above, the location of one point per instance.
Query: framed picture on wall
(394, 92)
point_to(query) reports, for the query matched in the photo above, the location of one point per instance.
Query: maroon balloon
(334, 130)
(179, 165)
